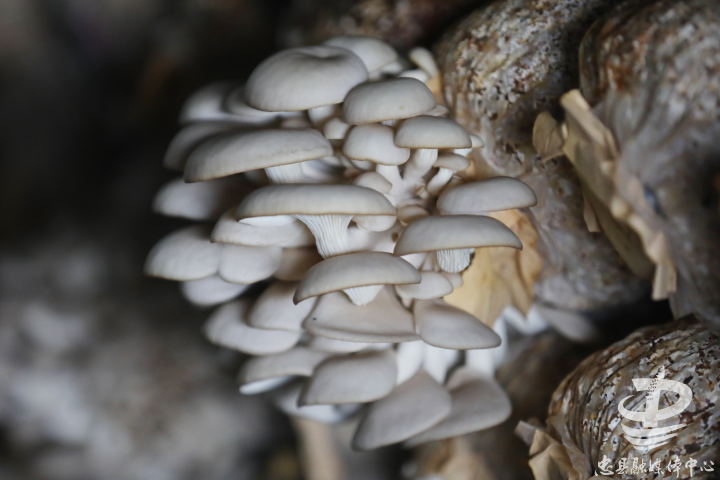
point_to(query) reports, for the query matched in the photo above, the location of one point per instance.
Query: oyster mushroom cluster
(338, 185)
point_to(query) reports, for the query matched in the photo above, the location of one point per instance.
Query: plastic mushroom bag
(645, 147)
(597, 418)
(502, 66)
(341, 164)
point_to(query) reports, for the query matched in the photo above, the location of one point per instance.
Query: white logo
(651, 436)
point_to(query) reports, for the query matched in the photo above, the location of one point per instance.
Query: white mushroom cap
(295, 263)
(229, 230)
(320, 115)
(448, 163)
(199, 201)
(417, 74)
(373, 180)
(314, 200)
(478, 402)
(383, 320)
(423, 58)
(411, 408)
(477, 142)
(304, 78)
(286, 399)
(391, 99)
(324, 344)
(235, 103)
(449, 232)
(410, 213)
(452, 161)
(372, 51)
(335, 129)
(184, 255)
(227, 327)
(432, 285)
(445, 326)
(359, 378)
(355, 270)
(187, 139)
(299, 361)
(491, 195)
(210, 291)
(275, 310)
(241, 264)
(208, 104)
(441, 111)
(235, 153)
(374, 143)
(427, 131)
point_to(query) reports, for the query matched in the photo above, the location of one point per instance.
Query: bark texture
(502, 66)
(588, 398)
(651, 71)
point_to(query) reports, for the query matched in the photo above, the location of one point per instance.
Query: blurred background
(103, 373)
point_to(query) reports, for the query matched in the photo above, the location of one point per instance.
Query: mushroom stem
(420, 163)
(363, 295)
(392, 174)
(330, 233)
(455, 260)
(291, 173)
(436, 183)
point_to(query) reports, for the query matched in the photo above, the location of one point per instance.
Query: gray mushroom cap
(392, 99)
(359, 378)
(240, 152)
(427, 131)
(383, 320)
(186, 254)
(449, 232)
(227, 327)
(299, 361)
(274, 309)
(478, 403)
(210, 291)
(304, 78)
(491, 195)
(410, 409)
(199, 201)
(314, 200)
(445, 326)
(229, 230)
(187, 139)
(355, 270)
(374, 143)
(452, 161)
(374, 181)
